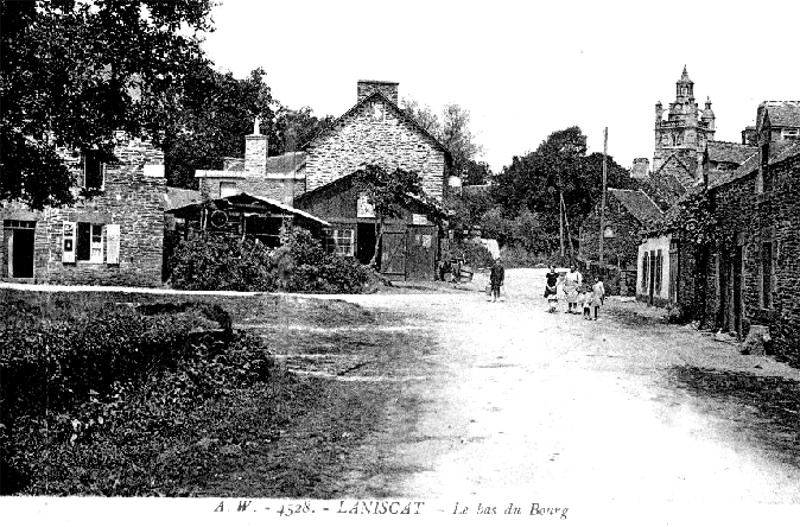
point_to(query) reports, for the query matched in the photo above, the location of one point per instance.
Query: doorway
(19, 237)
(738, 305)
(365, 242)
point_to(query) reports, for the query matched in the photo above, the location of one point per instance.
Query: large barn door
(393, 254)
(421, 257)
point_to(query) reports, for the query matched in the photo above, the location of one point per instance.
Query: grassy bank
(137, 395)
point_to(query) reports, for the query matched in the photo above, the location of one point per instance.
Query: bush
(214, 262)
(474, 253)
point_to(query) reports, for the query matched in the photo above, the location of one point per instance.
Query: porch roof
(247, 203)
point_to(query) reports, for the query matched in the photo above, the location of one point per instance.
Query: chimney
(256, 151)
(367, 88)
(640, 168)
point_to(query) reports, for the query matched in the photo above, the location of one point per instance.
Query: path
(523, 405)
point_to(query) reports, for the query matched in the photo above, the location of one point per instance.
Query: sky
(522, 69)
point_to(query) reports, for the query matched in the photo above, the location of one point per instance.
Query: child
(551, 290)
(586, 300)
(497, 278)
(598, 294)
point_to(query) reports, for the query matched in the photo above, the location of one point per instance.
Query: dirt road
(518, 405)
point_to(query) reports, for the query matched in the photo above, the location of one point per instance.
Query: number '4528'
(299, 508)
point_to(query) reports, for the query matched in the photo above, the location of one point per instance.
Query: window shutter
(112, 244)
(68, 243)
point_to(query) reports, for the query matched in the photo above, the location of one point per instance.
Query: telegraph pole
(603, 199)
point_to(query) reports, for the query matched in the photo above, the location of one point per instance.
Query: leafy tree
(453, 132)
(295, 128)
(75, 71)
(389, 193)
(477, 173)
(560, 164)
(210, 121)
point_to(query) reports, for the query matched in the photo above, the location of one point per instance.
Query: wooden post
(603, 199)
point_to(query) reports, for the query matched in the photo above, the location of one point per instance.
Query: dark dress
(497, 277)
(552, 281)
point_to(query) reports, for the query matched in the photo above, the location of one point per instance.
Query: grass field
(225, 418)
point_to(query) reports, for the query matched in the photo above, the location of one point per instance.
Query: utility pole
(603, 199)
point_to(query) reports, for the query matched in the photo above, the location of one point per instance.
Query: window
(93, 170)
(645, 269)
(89, 247)
(341, 241)
(767, 269)
(227, 188)
(658, 273)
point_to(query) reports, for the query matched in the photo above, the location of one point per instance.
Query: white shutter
(112, 244)
(68, 241)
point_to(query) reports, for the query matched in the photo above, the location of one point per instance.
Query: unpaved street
(517, 404)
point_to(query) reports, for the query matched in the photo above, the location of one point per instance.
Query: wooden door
(652, 281)
(421, 255)
(393, 254)
(673, 272)
(738, 304)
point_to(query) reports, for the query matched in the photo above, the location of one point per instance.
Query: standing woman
(551, 290)
(572, 282)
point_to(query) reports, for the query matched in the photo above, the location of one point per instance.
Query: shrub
(474, 253)
(213, 262)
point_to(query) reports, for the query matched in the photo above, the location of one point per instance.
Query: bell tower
(684, 133)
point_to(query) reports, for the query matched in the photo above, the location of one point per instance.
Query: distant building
(627, 213)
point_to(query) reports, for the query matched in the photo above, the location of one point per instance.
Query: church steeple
(684, 88)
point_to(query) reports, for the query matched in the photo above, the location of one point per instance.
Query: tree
(389, 194)
(559, 165)
(452, 131)
(210, 120)
(75, 71)
(295, 128)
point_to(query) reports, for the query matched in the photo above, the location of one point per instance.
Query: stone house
(114, 237)
(755, 271)
(627, 213)
(374, 131)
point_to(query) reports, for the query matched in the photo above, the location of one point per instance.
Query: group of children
(590, 298)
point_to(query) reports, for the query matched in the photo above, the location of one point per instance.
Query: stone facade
(126, 232)
(376, 131)
(756, 269)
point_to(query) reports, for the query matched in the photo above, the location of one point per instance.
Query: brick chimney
(256, 151)
(367, 88)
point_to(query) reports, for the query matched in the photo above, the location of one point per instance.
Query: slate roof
(778, 151)
(726, 152)
(783, 113)
(379, 95)
(688, 178)
(244, 199)
(285, 163)
(638, 204)
(176, 198)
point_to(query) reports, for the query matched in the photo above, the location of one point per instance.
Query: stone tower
(686, 129)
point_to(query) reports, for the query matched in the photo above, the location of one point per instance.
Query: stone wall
(749, 220)
(282, 188)
(376, 134)
(133, 198)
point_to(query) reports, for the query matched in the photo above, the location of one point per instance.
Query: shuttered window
(68, 242)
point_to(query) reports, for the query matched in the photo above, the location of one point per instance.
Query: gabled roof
(286, 163)
(638, 204)
(248, 200)
(778, 151)
(345, 182)
(726, 152)
(782, 113)
(379, 95)
(176, 198)
(686, 181)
